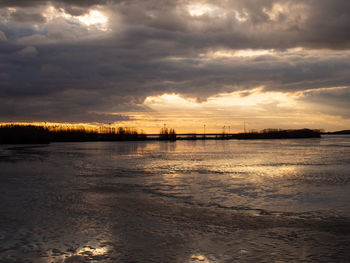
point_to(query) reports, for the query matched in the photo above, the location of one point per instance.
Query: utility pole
(244, 128)
(204, 130)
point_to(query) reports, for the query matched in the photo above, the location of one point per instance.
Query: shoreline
(15, 134)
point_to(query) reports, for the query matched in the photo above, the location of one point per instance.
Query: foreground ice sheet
(201, 201)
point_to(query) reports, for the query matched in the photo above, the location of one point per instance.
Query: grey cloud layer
(64, 71)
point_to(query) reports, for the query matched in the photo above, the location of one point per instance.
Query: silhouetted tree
(167, 134)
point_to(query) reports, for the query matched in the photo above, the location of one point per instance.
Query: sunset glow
(172, 131)
(92, 18)
(186, 64)
(204, 9)
(95, 18)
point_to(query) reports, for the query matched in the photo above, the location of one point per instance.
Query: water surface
(184, 201)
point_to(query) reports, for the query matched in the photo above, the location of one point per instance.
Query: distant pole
(204, 130)
(244, 127)
(229, 130)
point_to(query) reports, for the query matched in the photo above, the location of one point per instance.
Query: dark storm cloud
(332, 101)
(312, 24)
(74, 7)
(65, 107)
(276, 24)
(63, 70)
(2, 36)
(30, 3)
(25, 18)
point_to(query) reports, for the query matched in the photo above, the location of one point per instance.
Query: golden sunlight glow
(94, 251)
(79, 254)
(229, 109)
(197, 10)
(170, 101)
(252, 53)
(93, 19)
(203, 9)
(246, 53)
(255, 97)
(199, 258)
(255, 109)
(227, 53)
(51, 13)
(241, 17)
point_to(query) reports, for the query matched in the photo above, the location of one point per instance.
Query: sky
(183, 63)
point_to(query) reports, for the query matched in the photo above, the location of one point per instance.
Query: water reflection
(143, 201)
(89, 253)
(167, 146)
(197, 258)
(83, 254)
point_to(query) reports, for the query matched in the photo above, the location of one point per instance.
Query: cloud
(29, 3)
(29, 52)
(2, 36)
(333, 101)
(34, 39)
(146, 48)
(23, 17)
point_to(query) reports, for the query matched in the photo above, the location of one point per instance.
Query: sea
(182, 201)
